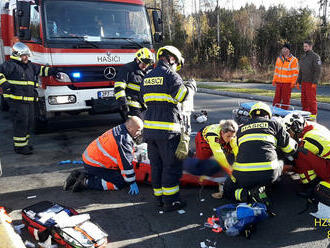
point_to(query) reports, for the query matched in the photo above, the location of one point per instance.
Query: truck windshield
(103, 20)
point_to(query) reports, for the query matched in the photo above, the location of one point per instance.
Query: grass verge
(259, 92)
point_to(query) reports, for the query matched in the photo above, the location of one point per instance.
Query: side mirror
(157, 19)
(23, 17)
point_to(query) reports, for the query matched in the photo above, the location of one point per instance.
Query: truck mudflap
(103, 106)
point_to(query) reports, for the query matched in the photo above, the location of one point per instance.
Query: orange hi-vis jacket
(286, 70)
(113, 150)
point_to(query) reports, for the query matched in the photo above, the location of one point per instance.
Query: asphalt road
(133, 221)
(321, 89)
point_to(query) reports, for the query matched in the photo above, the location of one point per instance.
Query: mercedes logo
(109, 72)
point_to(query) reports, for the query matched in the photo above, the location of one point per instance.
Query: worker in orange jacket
(108, 160)
(285, 77)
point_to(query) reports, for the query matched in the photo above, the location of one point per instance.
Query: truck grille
(87, 74)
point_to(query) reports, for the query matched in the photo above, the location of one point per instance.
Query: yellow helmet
(257, 107)
(173, 51)
(145, 56)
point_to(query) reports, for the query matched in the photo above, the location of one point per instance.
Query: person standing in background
(309, 76)
(285, 76)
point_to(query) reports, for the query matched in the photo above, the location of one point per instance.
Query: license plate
(105, 94)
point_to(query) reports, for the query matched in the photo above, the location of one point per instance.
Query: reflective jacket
(316, 139)
(112, 150)
(127, 85)
(257, 141)
(310, 68)
(212, 136)
(286, 70)
(162, 90)
(18, 80)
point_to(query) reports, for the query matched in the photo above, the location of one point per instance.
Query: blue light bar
(76, 75)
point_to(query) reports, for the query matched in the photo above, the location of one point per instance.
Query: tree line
(247, 39)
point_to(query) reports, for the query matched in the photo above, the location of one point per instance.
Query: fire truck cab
(88, 40)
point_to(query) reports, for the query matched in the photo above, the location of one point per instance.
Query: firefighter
(162, 91)
(312, 161)
(218, 140)
(18, 79)
(285, 76)
(257, 164)
(309, 75)
(108, 160)
(128, 80)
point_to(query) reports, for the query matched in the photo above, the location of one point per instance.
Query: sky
(236, 4)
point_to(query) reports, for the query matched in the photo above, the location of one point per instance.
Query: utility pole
(218, 23)
(324, 36)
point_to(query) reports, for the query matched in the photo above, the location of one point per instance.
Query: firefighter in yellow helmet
(162, 91)
(18, 82)
(257, 164)
(127, 83)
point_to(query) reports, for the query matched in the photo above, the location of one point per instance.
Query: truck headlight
(63, 77)
(56, 100)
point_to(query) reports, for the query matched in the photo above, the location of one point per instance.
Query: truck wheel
(4, 107)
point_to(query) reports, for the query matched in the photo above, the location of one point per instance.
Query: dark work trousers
(166, 169)
(104, 179)
(22, 115)
(245, 181)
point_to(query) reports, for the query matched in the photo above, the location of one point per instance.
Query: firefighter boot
(23, 150)
(70, 181)
(80, 183)
(177, 205)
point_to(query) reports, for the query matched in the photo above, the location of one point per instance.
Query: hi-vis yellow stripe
(133, 87)
(22, 98)
(22, 82)
(170, 191)
(261, 137)
(159, 97)
(120, 94)
(260, 166)
(181, 93)
(120, 84)
(170, 126)
(2, 80)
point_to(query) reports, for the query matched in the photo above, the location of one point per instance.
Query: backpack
(64, 224)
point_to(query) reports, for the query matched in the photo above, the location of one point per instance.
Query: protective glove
(183, 147)
(134, 190)
(191, 83)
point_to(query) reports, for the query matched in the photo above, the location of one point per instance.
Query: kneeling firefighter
(257, 164)
(18, 80)
(108, 160)
(162, 91)
(127, 85)
(312, 161)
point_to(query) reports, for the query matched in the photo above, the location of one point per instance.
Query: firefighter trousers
(308, 98)
(22, 115)
(282, 95)
(166, 169)
(236, 187)
(104, 179)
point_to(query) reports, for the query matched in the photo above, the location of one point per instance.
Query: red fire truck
(88, 40)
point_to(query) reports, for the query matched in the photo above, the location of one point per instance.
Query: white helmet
(295, 122)
(20, 49)
(173, 51)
